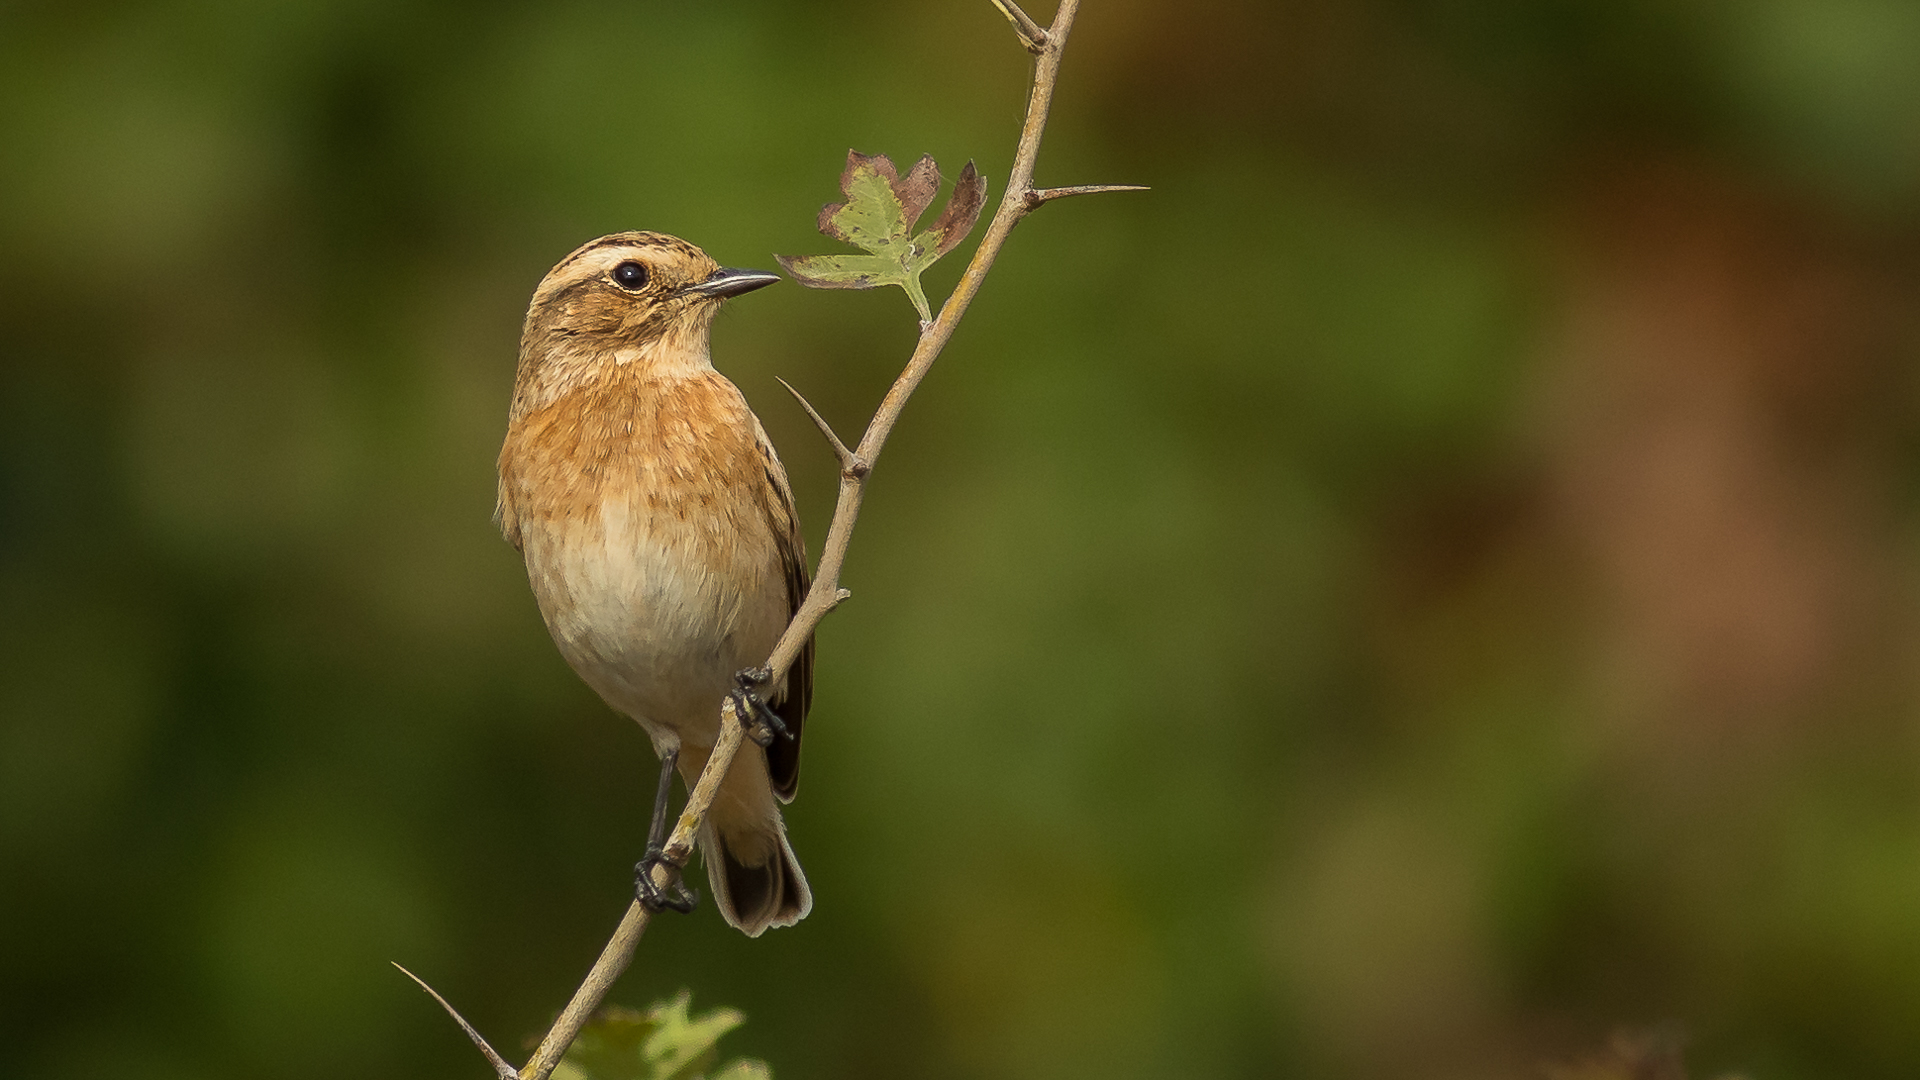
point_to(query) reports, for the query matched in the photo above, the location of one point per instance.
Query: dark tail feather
(753, 896)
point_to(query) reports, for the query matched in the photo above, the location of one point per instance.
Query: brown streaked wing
(783, 756)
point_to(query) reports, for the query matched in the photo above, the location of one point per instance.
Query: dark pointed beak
(727, 281)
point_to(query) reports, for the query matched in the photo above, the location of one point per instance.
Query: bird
(662, 543)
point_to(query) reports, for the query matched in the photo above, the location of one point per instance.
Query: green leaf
(878, 215)
(664, 1043)
(746, 1069)
(680, 1046)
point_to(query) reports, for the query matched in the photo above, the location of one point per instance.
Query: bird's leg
(761, 721)
(676, 896)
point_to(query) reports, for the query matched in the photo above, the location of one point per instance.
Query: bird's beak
(727, 281)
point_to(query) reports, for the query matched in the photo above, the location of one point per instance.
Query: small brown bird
(662, 543)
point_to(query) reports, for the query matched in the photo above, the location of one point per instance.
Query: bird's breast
(645, 543)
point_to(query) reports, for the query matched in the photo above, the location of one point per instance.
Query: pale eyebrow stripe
(636, 239)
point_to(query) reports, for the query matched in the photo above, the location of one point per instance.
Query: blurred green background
(1430, 583)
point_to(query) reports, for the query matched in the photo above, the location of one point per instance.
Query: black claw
(762, 722)
(676, 897)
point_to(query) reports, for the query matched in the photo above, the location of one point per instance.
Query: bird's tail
(756, 881)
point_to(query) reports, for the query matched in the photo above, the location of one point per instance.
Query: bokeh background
(1430, 584)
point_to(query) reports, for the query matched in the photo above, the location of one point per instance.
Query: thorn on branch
(500, 1066)
(1035, 197)
(840, 451)
(1032, 34)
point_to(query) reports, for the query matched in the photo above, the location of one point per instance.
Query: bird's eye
(630, 275)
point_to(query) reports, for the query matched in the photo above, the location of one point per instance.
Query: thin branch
(1016, 203)
(1038, 196)
(733, 732)
(619, 949)
(840, 450)
(1031, 35)
(613, 960)
(500, 1066)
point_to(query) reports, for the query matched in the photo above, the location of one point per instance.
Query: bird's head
(631, 298)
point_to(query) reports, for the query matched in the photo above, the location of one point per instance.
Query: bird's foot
(761, 721)
(675, 897)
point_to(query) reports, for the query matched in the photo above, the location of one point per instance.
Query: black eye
(630, 275)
